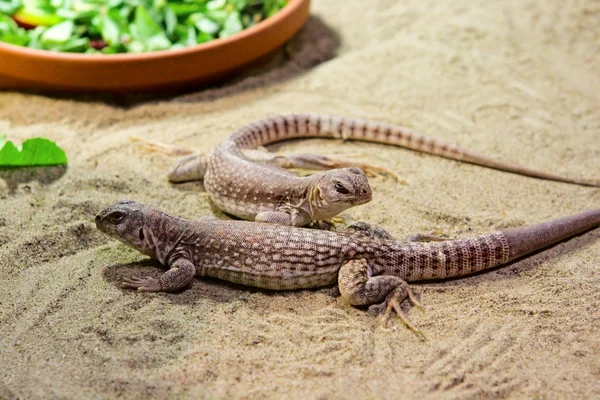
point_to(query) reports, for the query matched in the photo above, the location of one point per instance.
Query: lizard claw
(374, 171)
(142, 284)
(392, 304)
(337, 220)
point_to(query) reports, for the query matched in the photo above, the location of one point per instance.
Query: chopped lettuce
(126, 26)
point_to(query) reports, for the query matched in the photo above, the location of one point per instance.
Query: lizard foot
(327, 225)
(427, 237)
(151, 145)
(143, 284)
(392, 304)
(374, 171)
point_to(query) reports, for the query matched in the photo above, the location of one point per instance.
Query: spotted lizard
(250, 184)
(366, 262)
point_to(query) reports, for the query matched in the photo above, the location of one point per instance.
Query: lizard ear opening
(141, 234)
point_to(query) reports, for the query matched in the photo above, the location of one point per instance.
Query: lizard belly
(260, 190)
(240, 209)
(267, 255)
(232, 199)
(273, 279)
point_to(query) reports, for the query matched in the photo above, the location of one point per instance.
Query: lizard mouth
(360, 201)
(367, 196)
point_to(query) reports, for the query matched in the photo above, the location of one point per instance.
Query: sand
(514, 79)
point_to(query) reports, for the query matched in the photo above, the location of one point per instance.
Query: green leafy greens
(126, 26)
(33, 152)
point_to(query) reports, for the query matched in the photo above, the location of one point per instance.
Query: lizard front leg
(179, 276)
(359, 288)
(293, 218)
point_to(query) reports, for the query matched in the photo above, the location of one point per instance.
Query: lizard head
(338, 190)
(125, 221)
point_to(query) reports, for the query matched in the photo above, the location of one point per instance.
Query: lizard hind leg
(318, 162)
(427, 237)
(358, 287)
(190, 168)
(151, 145)
(369, 230)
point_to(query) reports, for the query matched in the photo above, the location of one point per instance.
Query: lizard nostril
(97, 218)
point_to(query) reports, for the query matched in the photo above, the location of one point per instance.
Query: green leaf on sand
(35, 151)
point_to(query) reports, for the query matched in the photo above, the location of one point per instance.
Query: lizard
(250, 184)
(366, 262)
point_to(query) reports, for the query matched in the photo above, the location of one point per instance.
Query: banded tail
(293, 126)
(456, 258)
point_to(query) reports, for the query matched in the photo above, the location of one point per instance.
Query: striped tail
(455, 258)
(294, 126)
(449, 259)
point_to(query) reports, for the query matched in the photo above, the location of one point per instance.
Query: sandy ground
(514, 79)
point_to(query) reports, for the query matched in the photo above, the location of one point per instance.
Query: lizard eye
(341, 188)
(116, 217)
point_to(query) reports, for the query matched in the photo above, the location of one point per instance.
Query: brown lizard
(366, 262)
(247, 183)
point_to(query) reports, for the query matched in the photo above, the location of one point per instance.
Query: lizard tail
(478, 159)
(524, 240)
(292, 126)
(454, 258)
(404, 137)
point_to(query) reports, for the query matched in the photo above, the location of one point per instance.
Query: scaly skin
(247, 183)
(368, 266)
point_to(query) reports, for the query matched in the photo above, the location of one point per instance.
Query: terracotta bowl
(24, 68)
